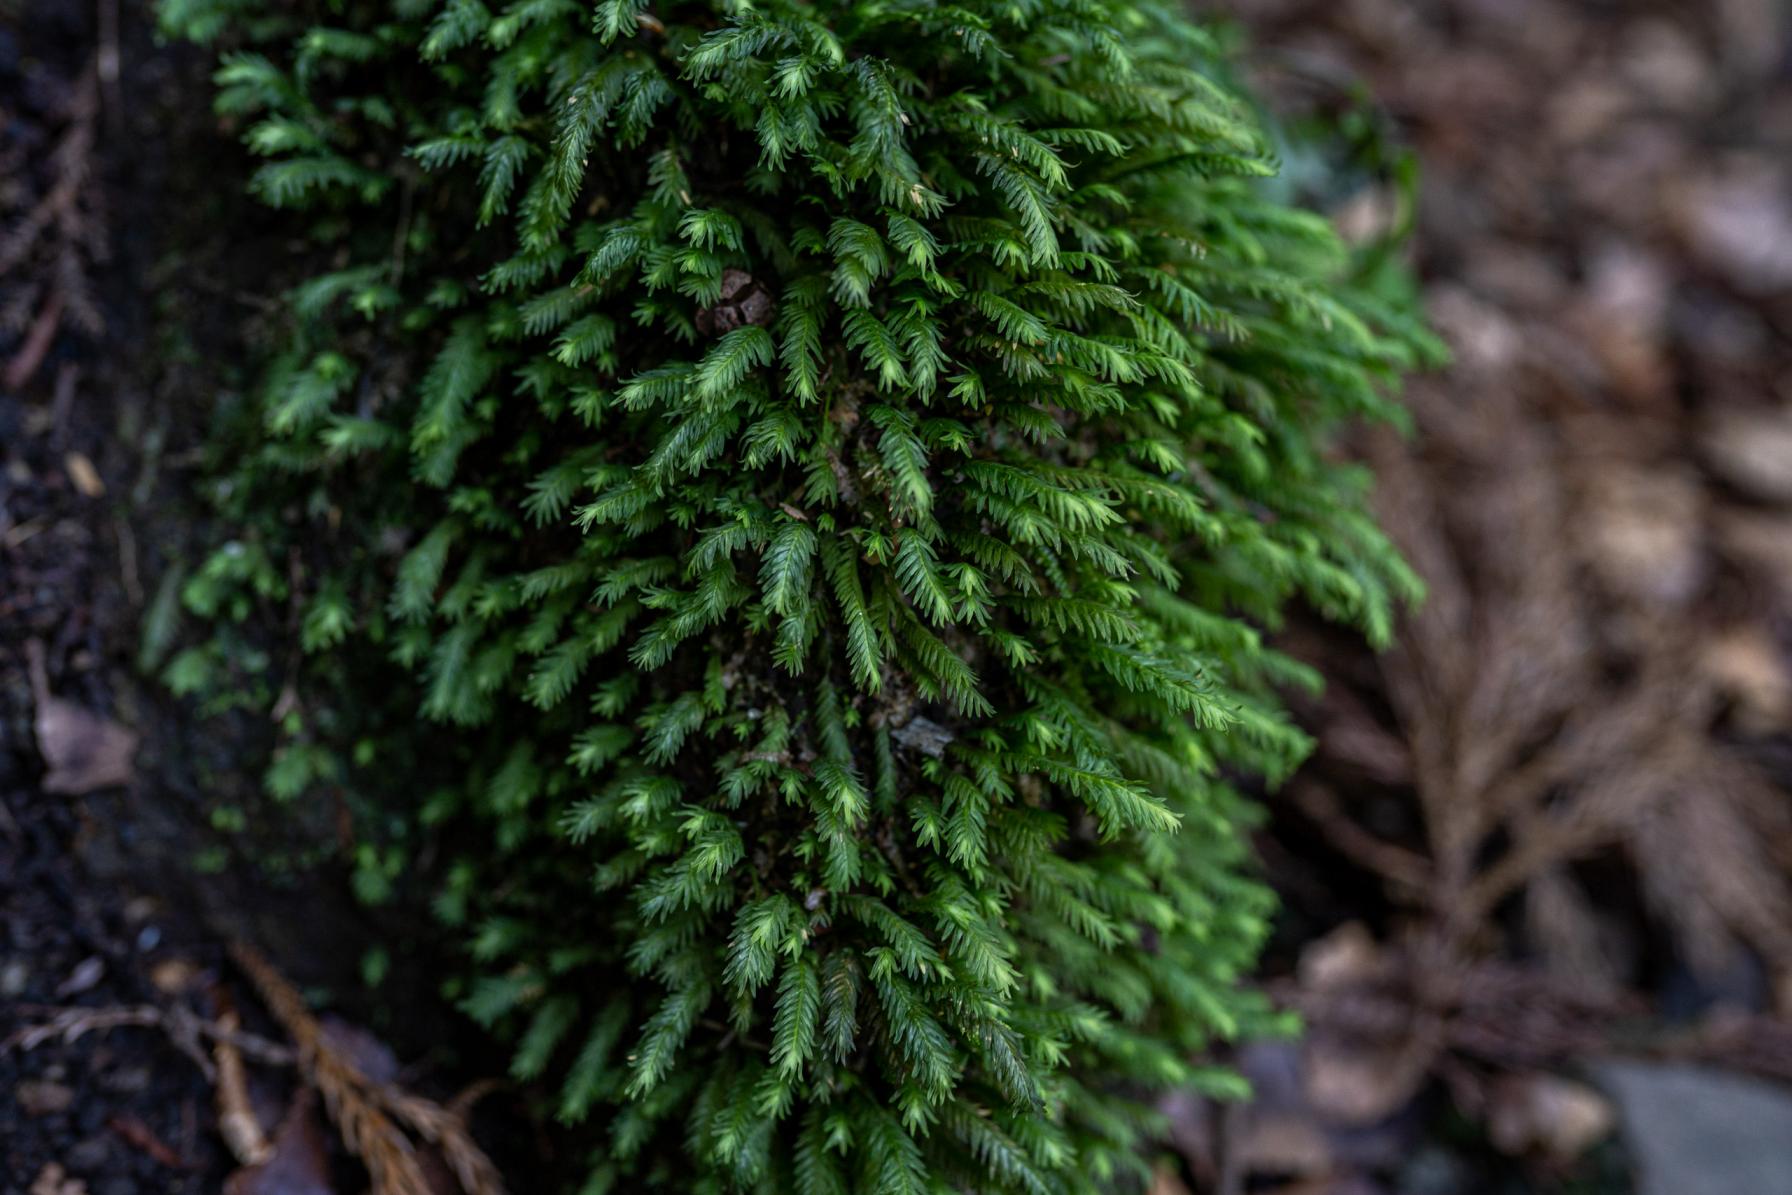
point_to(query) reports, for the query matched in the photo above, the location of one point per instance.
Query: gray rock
(1695, 1130)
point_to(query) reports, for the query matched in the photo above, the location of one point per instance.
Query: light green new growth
(815, 476)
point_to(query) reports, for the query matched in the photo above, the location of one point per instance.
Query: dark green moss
(804, 606)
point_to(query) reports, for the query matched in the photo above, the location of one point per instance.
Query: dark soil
(99, 1107)
(1552, 823)
(113, 322)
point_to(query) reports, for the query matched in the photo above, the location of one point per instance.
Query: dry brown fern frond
(367, 1113)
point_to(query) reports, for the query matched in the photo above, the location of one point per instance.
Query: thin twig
(182, 1028)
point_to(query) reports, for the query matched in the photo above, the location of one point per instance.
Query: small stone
(15, 976)
(1740, 224)
(743, 301)
(1696, 1130)
(90, 1155)
(1752, 450)
(173, 976)
(85, 977)
(925, 736)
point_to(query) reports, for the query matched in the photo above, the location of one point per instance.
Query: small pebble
(86, 975)
(15, 976)
(90, 1155)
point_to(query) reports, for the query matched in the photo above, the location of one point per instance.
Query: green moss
(779, 505)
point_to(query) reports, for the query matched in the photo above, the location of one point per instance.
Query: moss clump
(805, 595)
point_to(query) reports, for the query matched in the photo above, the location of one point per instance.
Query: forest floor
(119, 259)
(1538, 878)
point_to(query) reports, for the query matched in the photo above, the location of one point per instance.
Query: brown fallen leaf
(83, 751)
(299, 1160)
(1643, 533)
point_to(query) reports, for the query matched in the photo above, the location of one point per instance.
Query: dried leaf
(1740, 223)
(83, 751)
(298, 1161)
(174, 976)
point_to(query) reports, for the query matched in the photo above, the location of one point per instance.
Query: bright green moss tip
(779, 502)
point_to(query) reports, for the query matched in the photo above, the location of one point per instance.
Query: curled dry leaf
(83, 751)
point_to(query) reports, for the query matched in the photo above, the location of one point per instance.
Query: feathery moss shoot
(782, 500)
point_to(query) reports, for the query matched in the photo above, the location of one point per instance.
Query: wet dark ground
(123, 317)
(94, 909)
(123, 1112)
